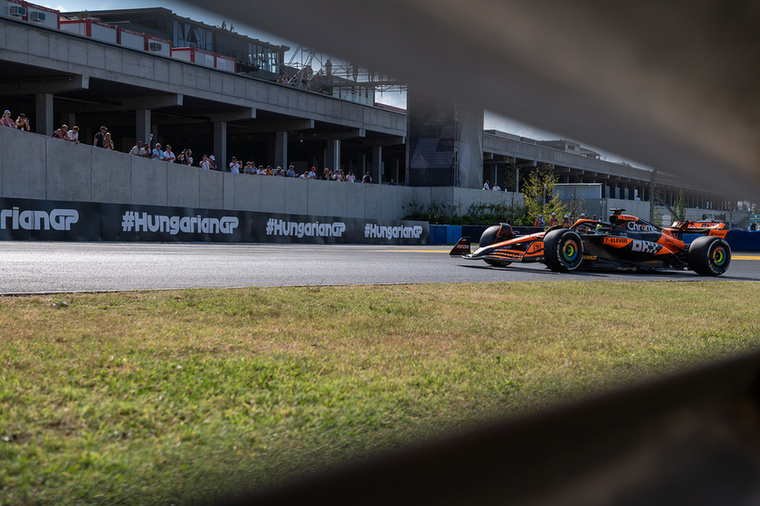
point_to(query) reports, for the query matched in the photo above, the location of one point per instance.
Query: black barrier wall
(44, 220)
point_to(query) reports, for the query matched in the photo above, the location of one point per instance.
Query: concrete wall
(38, 167)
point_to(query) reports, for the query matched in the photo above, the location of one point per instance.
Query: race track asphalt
(44, 267)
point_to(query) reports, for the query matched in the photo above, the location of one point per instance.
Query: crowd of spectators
(103, 139)
(235, 166)
(21, 122)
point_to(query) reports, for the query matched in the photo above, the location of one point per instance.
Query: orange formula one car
(625, 242)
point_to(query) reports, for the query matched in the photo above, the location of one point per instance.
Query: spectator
(326, 174)
(205, 163)
(291, 171)
(189, 157)
(157, 153)
(261, 171)
(553, 221)
(312, 173)
(73, 134)
(7, 121)
(566, 221)
(168, 155)
(496, 187)
(351, 178)
(279, 172)
(137, 149)
(61, 132)
(180, 159)
(249, 168)
(234, 166)
(539, 221)
(212, 163)
(146, 149)
(486, 186)
(22, 122)
(107, 142)
(99, 137)
(367, 178)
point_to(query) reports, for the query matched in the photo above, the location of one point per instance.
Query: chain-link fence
(671, 201)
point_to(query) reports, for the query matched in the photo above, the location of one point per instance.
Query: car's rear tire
(563, 250)
(709, 256)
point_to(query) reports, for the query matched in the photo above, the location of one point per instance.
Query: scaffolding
(316, 71)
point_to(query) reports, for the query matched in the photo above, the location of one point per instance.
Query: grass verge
(186, 396)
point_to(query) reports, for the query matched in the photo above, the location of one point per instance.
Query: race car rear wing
(715, 228)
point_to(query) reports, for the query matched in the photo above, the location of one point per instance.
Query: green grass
(186, 396)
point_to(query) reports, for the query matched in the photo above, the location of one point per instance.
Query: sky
(491, 121)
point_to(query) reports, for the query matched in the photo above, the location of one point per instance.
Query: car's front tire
(491, 236)
(563, 250)
(709, 256)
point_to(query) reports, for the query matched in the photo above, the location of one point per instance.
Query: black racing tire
(497, 263)
(488, 236)
(709, 256)
(563, 250)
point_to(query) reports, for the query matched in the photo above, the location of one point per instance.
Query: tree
(539, 194)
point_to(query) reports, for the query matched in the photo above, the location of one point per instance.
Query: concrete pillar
(377, 164)
(281, 150)
(142, 125)
(153, 137)
(220, 145)
(71, 120)
(332, 160)
(44, 119)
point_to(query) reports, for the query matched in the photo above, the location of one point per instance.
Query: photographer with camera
(22, 123)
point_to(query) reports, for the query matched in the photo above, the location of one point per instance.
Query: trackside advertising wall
(44, 220)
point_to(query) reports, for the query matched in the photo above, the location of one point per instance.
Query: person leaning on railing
(6, 121)
(61, 132)
(22, 123)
